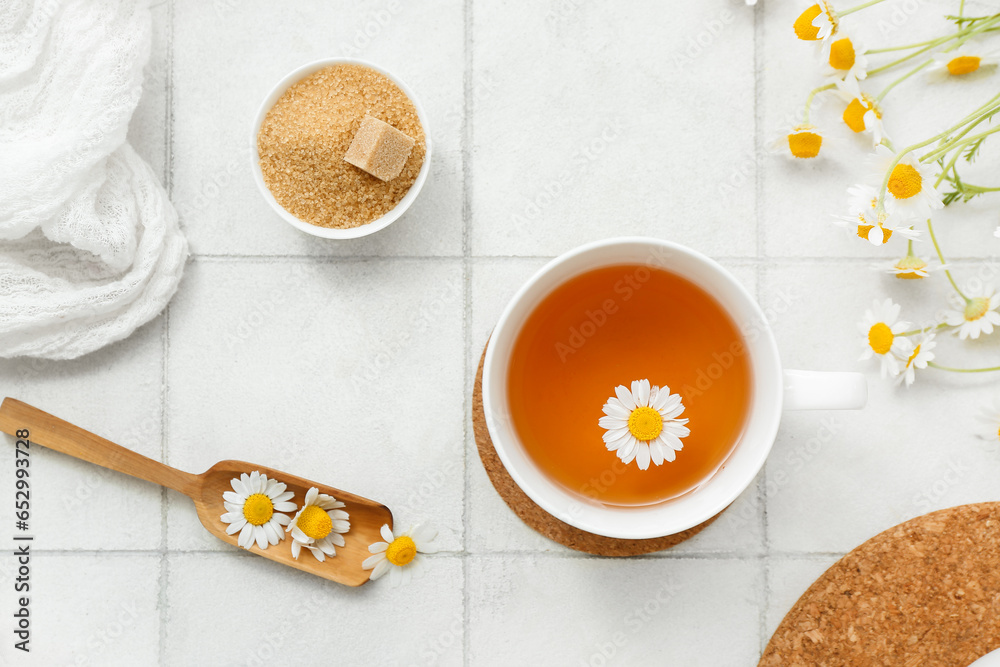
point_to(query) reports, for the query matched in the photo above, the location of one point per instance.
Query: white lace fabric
(90, 246)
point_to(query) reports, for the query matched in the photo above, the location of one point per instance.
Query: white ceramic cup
(774, 389)
(327, 232)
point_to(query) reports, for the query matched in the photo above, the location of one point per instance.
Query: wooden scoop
(206, 490)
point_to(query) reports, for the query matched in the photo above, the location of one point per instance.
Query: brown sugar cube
(379, 148)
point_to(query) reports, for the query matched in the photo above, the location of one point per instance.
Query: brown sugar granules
(305, 135)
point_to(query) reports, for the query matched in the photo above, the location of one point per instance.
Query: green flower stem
(938, 327)
(937, 248)
(963, 35)
(975, 115)
(809, 100)
(885, 91)
(859, 7)
(955, 143)
(963, 370)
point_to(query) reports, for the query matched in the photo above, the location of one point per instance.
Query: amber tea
(608, 327)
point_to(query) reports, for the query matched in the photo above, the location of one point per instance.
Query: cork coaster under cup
(925, 593)
(542, 521)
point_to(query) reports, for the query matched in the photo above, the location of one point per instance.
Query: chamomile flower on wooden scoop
(254, 508)
(319, 526)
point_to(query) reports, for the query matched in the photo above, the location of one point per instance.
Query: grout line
(724, 259)
(468, 377)
(765, 581)
(463, 554)
(162, 598)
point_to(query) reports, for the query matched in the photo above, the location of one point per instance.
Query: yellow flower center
(880, 338)
(842, 54)
(258, 509)
(315, 522)
(963, 65)
(804, 28)
(645, 423)
(804, 144)
(854, 115)
(905, 181)
(908, 266)
(976, 308)
(864, 229)
(402, 550)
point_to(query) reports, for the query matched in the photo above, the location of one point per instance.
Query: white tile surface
(554, 123)
(117, 393)
(86, 609)
(348, 348)
(240, 610)
(630, 612)
(584, 159)
(228, 56)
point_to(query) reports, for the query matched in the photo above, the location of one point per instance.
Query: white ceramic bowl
(773, 390)
(326, 232)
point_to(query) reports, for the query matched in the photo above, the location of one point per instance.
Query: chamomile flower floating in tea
(975, 315)
(400, 556)
(319, 526)
(919, 358)
(961, 61)
(643, 425)
(255, 508)
(882, 328)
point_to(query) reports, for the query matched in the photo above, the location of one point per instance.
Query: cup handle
(823, 390)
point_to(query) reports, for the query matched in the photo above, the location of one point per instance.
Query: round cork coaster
(925, 593)
(542, 521)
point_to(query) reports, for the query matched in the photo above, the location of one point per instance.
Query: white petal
(640, 392)
(285, 507)
(271, 533)
(372, 561)
(234, 498)
(236, 526)
(239, 487)
(261, 536)
(232, 517)
(625, 397)
(296, 549)
(378, 547)
(611, 422)
(386, 533)
(380, 568)
(282, 497)
(614, 435)
(422, 533)
(642, 456)
(246, 536)
(614, 408)
(656, 452)
(311, 495)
